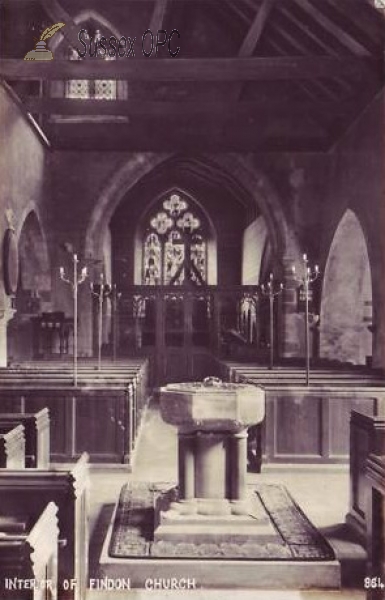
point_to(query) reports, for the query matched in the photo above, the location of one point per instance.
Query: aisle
(157, 450)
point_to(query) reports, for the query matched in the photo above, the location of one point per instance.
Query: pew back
(100, 416)
(27, 492)
(37, 436)
(12, 446)
(310, 424)
(29, 562)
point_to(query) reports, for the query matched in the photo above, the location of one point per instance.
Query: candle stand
(271, 290)
(100, 291)
(75, 285)
(309, 276)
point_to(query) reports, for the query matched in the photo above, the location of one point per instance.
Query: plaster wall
(23, 188)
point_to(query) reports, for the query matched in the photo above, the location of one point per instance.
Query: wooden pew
(375, 528)
(236, 371)
(100, 416)
(12, 446)
(37, 436)
(310, 424)
(27, 492)
(367, 436)
(29, 561)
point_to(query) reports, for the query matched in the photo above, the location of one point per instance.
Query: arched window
(175, 245)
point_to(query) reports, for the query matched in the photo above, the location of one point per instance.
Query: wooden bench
(309, 424)
(37, 436)
(12, 446)
(375, 528)
(100, 416)
(29, 561)
(28, 492)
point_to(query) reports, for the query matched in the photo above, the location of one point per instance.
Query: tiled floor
(323, 493)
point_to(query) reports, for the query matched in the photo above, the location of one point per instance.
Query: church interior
(192, 293)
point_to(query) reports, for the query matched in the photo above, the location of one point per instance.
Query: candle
(61, 270)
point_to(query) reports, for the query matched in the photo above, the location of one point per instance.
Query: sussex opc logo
(41, 51)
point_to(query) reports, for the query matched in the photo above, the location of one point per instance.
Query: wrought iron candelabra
(100, 291)
(115, 298)
(309, 276)
(76, 281)
(271, 289)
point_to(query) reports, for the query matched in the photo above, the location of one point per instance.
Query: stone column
(210, 474)
(292, 322)
(186, 475)
(238, 449)
(5, 316)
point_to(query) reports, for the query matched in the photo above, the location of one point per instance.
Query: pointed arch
(230, 170)
(346, 302)
(33, 294)
(33, 253)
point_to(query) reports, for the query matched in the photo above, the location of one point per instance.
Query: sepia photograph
(192, 300)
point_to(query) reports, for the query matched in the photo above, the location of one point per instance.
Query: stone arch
(239, 175)
(346, 302)
(33, 293)
(33, 254)
(232, 169)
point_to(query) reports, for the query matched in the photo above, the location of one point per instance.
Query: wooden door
(182, 337)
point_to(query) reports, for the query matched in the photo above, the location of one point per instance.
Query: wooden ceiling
(251, 75)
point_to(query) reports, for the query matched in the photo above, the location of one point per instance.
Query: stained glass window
(174, 253)
(175, 248)
(152, 258)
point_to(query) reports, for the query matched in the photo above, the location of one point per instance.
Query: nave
(150, 452)
(205, 215)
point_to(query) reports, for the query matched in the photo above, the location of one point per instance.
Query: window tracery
(175, 247)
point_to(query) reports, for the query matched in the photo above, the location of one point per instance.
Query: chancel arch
(346, 304)
(229, 196)
(231, 171)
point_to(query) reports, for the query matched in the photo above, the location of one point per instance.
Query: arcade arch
(346, 303)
